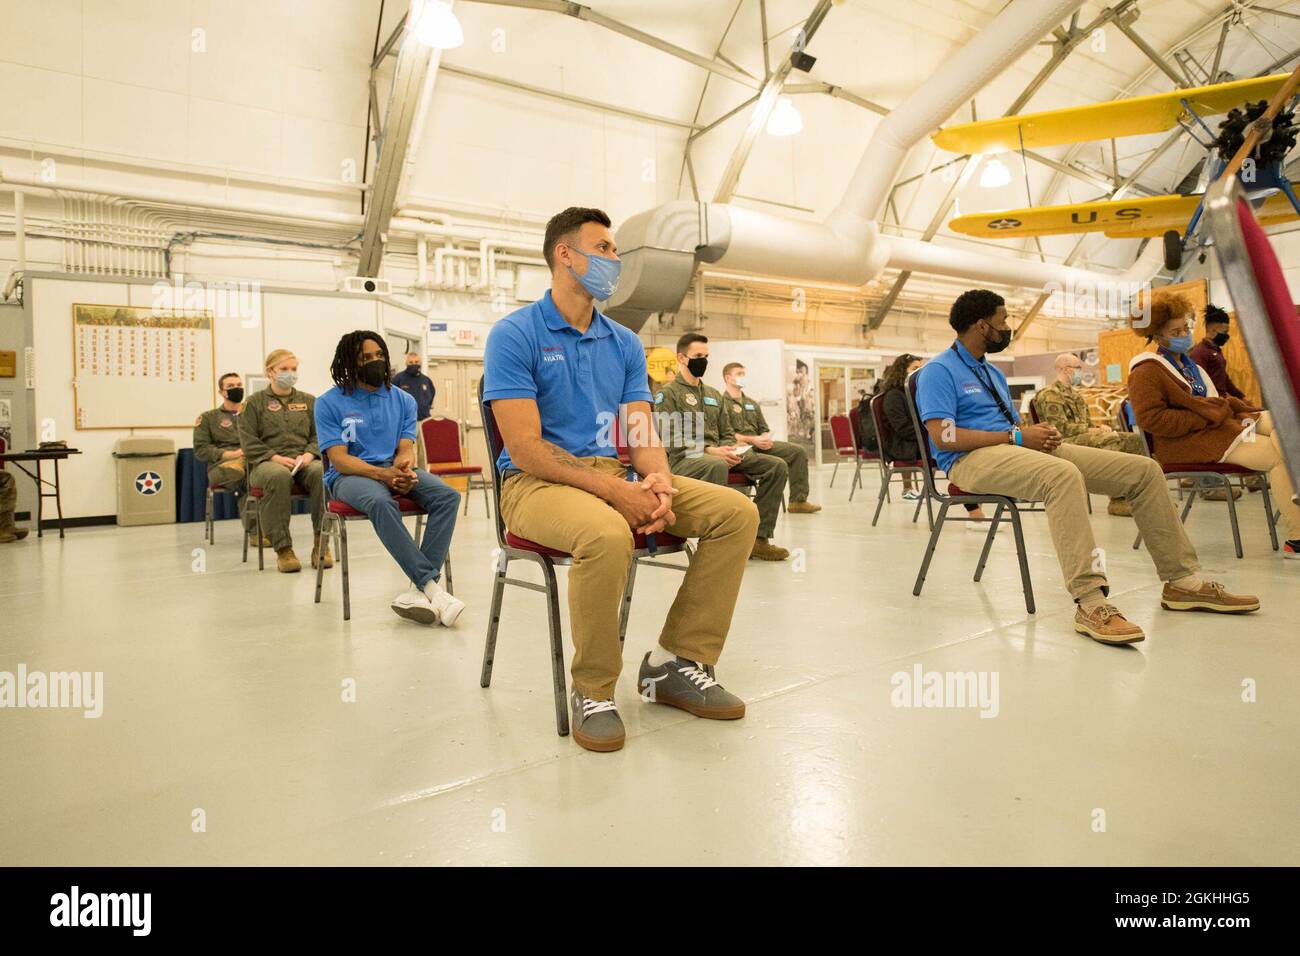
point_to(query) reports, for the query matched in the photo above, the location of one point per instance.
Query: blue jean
(439, 501)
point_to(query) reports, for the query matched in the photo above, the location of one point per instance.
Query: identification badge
(273, 406)
(749, 407)
(970, 388)
(690, 400)
(709, 400)
(297, 406)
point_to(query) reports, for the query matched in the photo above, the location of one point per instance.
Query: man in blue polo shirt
(366, 430)
(557, 375)
(978, 440)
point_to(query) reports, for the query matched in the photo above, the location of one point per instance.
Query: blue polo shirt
(578, 379)
(368, 424)
(954, 385)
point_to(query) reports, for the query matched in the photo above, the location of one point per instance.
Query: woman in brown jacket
(1176, 404)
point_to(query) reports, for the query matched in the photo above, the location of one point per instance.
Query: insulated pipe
(20, 232)
(1011, 34)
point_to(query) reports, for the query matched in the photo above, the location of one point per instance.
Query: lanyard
(987, 378)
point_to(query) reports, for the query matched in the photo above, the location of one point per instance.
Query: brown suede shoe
(324, 558)
(1218, 494)
(1105, 624)
(803, 508)
(1120, 508)
(286, 562)
(765, 551)
(1211, 597)
(10, 535)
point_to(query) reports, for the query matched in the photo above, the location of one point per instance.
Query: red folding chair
(512, 547)
(1265, 311)
(444, 457)
(955, 496)
(888, 468)
(334, 523)
(1209, 475)
(845, 437)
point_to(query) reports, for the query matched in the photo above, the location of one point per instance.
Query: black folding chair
(511, 547)
(955, 496)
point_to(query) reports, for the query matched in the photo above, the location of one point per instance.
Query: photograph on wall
(801, 403)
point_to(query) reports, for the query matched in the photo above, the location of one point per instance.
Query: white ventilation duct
(660, 247)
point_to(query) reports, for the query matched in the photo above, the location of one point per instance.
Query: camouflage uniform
(1064, 407)
(9, 504)
(285, 425)
(747, 419)
(685, 446)
(216, 433)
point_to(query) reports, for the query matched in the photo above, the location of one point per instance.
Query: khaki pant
(229, 474)
(1061, 480)
(8, 500)
(770, 473)
(598, 537)
(796, 463)
(1130, 443)
(1264, 454)
(276, 505)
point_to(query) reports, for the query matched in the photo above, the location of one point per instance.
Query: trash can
(146, 480)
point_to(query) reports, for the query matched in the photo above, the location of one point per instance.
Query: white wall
(308, 324)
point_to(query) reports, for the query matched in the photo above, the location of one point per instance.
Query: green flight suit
(216, 433)
(747, 419)
(285, 425)
(692, 417)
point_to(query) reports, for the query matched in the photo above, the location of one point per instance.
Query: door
(456, 396)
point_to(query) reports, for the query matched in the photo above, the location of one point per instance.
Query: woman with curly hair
(1177, 404)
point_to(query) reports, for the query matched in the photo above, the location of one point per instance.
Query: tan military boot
(286, 562)
(321, 553)
(1120, 507)
(763, 550)
(803, 508)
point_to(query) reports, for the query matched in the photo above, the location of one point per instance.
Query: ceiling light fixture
(435, 25)
(785, 119)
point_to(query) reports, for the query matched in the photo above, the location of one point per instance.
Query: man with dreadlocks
(366, 429)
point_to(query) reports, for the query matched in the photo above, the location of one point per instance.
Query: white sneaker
(414, 605)
(981, 525)
(447, 607)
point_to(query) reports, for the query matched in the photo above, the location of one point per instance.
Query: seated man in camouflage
(1063, 406)
(216, 444)
(752, 429)
(697, 431)
(9, 532)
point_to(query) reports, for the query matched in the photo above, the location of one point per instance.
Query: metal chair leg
(1232, 517)
(466, 497)
(446, 572)
(880, 500)
(917, 513)
(487, 504)
(929, 549)
(833, 471)
(494, 619)
(988, 541)
(1025, 581)
(929, 508)
(1268, 513)
(625, 608)
(327, 522)
(261, 563)
(857, 478)
(557, 651)
(207, 516)
(343, 563)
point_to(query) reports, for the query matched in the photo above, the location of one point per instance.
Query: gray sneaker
(690, 686)
(596, 723)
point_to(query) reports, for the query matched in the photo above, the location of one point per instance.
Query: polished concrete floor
(223, 693)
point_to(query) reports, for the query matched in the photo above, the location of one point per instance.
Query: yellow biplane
(1252, 142)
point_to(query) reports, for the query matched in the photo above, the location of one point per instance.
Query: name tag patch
(709, 400)
(297, 406)
(970, 388)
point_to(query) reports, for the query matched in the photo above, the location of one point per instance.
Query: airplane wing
(1117, 218)
(1131, 117)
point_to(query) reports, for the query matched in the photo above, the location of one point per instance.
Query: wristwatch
(1013, 436)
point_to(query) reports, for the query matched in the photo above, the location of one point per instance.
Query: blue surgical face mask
(1076, 378)
(601, 279)
(1182, 345)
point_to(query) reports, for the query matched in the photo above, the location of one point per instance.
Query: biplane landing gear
(1173, 250)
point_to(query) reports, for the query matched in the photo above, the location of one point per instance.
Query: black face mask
(235, 395)
(412, 370)
(1002, 340)
(1221, 339)
(373, 373)
(697, 365)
